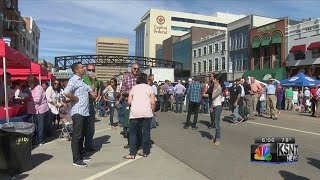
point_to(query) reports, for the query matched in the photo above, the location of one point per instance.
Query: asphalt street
(231, 159)
(186, 154)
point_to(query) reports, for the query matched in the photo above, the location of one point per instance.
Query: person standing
(89, 78)
(190, 81)
(247, 98)
(166, 95)
(38, 107)
(127, 84)
(314, 97)
(271, 98)
(255, 90)
(194, 93)
(110, 93)
(279, 94)
(78, 93)
(235, 98)
(288, 96)
(53, 96)
(318, 104)
(216, 108)
(209, 92)
(205, 98)
(262, 101)
(179, 90)
(142, 101)
(295, 98)
(306, 99)
(171, 92)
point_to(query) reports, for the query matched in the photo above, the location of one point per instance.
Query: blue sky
(70, 27)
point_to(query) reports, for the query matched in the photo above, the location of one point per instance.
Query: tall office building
(111, 46)
(158, 25)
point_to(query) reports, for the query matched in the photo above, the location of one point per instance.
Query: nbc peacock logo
(262, 153)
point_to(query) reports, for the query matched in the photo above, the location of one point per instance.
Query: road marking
(100, 174)
(63, 139)
(307, 132)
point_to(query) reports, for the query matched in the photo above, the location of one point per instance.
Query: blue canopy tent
(300, 80)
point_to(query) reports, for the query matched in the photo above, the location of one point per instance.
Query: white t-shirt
(141, 101)
(295, 95)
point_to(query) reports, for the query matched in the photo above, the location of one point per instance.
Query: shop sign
(266, 28)
(160, 29)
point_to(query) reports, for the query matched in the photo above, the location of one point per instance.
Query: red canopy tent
(11, 59)
(35, 70)
(49, 77)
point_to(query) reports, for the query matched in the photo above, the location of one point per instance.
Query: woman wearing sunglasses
(110, 97)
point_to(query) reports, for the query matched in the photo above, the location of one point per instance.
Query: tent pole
(5, 89)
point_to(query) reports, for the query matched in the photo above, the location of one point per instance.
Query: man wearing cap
(271, 98)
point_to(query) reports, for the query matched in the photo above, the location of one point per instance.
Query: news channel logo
(274, 150)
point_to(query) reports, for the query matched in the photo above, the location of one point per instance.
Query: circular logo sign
(161, 20)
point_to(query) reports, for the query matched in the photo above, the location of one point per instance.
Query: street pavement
(186, 154)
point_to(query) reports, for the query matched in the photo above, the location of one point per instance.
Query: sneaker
(217, 143)
(86, 159)
(80, 164)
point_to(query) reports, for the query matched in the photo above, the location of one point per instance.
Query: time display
(275, 140)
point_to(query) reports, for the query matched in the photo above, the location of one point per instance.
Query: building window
(177, 28)
(210, 65)
(210, 49)
(216, 64)
(194, 53)
(199, 52)
(178, 19)
(194, 68)
(223, 61)
(223, 45)
(204, 66)
(299, 55)
(204, 50)
(315, 53)
(199, 67)
(216, 48)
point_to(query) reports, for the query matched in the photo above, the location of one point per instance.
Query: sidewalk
(54, 161)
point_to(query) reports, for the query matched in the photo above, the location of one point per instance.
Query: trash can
(15, 146)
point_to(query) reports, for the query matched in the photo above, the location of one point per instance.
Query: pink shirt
(141, 101)
(39, 103)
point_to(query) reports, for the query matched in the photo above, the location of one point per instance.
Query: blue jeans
(121, 110)
(39, 120)
(262, 106)
(236, 115)
(179, 102)
(153, 123)
(111, 106)
(160, 99)
(187, 103)
(101, 108)
(217, 118)
(205, 105)
(90, 127)
(136, 126)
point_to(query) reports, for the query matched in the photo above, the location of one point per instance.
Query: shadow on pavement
(98, 142)
(5, 176)
(20, 176)
(206, 134)
(39, 158)
(290, 176)
(314, 162)
(228, 119)
(206, 123)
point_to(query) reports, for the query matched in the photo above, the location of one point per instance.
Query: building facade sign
(266, 28)
(160, 28)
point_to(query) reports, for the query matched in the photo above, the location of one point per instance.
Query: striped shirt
(194, 92)
(80, 89)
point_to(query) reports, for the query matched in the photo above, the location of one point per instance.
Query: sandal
(142, 154)
(129, 157)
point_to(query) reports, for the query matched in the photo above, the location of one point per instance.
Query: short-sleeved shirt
(141, 101)
(195, 92)
(289, 93)
(307, 93)
(110, 93)
(128, 82)
(234, 92)
(39, 104)
(247, 88)
(80, 89)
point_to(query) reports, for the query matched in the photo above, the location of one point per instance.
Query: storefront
(268, 51)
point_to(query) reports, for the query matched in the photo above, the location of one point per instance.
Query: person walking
(288, 96)
(194, 92)
(271, 98)
(38, 108)
(78, 93)
(179, 90)
(216, 108)
(314, 97)
(279, 94)
(247, 100)
(110, 95)
(142, 101)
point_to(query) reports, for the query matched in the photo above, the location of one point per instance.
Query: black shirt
(210, 90)
(234, 92)
(247, 88)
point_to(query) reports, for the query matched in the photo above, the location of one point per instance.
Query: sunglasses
(56, 83)
(112, 82)
(137, 69)
(92, 70)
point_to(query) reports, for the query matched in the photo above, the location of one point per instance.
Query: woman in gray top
(216, 107)
(110, 97)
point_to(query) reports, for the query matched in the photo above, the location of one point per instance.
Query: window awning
(265, 40)
(255, 42)
(297, 48)
(276, 38)
(314, 45)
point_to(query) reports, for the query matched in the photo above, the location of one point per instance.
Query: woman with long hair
(142, 101)
(216, 107)
(38, 107)
(110, 97)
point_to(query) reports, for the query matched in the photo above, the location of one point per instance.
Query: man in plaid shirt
(194, 92)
